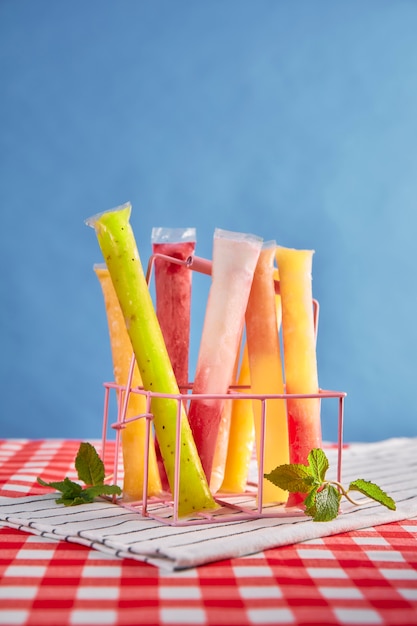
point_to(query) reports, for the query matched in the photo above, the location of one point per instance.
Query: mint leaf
(87, 495)
(310, 502)
(90, 470)
(72, 501)
(66, 485)
(89, 466)
(292, 477)
(101, 490)
(326, 506)
(372, 491)
(318, 463)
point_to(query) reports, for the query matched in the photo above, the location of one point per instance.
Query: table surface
(362, 577)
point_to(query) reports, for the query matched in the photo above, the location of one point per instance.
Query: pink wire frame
(231, 507)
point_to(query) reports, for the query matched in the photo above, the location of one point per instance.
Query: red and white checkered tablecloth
(356, 578)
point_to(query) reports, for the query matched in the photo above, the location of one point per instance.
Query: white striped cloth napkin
(109, 528)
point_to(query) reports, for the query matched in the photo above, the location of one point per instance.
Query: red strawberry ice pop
(173, 294)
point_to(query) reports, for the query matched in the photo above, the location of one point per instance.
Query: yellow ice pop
(134, 433)
(222, 443)
(241, 435)
(266, 370)
(220, 453)
(300, 361)
(117, 243)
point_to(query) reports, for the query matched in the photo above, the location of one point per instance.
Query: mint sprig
(90, 470)
(323, 496)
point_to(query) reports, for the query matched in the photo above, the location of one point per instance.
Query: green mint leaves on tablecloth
(90, 469)
(323, 496)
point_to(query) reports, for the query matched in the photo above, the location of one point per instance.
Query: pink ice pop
(173, 294)
(234, 260)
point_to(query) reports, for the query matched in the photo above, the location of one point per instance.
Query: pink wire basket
(231, 507)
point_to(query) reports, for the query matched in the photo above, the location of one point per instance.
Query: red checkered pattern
(357, 578)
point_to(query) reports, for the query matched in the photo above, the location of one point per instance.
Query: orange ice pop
(133, 435)
(266, 370)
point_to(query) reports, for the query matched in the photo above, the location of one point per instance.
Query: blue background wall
(292, 120)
